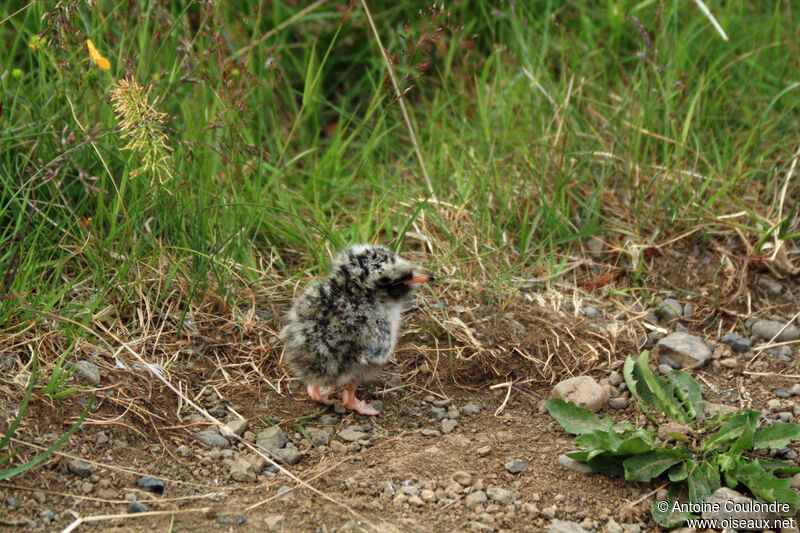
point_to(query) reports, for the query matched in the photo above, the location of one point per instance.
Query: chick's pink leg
(354, 404)
(320, 395)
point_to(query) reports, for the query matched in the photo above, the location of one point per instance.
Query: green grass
(561, 122)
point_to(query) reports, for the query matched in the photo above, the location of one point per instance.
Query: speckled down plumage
(344, 328)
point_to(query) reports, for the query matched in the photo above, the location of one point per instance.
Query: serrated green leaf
(687, 392)
(703, 480)
(646, 466)
(745, 440)
(607, 463)
(778, 467)
(633, 377)
(764, 484)
(732, 428)
(576, 420)
(667, 519)
(778, 435)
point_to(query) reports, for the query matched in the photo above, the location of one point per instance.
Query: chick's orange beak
(419, 277)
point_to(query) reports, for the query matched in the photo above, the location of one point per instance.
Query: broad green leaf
(646, 466)
(679, 472)
(763, 484)
(633, 377)
(687, 392)
(745, 440)
(732, 428)
(581, 456)
(777, 467)
(778, 435)
(667, 519)
(607, 463)
(702, 482)
(576, 420)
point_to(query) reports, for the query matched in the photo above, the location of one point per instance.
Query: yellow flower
(36, 42)
(98, 59)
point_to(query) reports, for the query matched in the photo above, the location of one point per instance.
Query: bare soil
(541, 338)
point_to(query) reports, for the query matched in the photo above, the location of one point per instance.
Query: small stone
(453, 413)
(235, 427)
(724, 496)
(462, 478)
(795, 390)
(590, 311)
(338, 447)
(88, 372)
(271, 439)
(352, 434)
(136, 507)
(319, 437)
(572, 464)
(483, 451)
(729, 362)
(476, 498)
(516, 466)
(427, 432)
(212, 438)
(768, 330)
(615, 378)
(448, 426)
(151, 484)
(782, 394)
(80, 468)
(289, 454)
(427, 495)
(770, 286)
(501, 495)
(738, 343)
(416, 501)
(618, 403)
(682, 350)
(480, 527)
(671, 309)
(438, 413)
(582, 390)
(613, 527)
(688, 310)
(285, 493)
(328, 420)
(530, 509)
(183, 450)
(242, 470)
(273, 520)
(562, 526)
(471, 409)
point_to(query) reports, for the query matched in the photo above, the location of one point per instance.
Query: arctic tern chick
(341, 330)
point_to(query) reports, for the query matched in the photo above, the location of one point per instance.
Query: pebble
(453, 413)
(271, 439)
(80, 468)
(795, 390)
(438, 413)
(671, 309)
(476, 498)
(590, 311)
(88, 372)
(212, 438)
(501, 495)
(352, 434)
(151, 484)
(183, 450)
(618, 403)
(582, 390)
(319, 437)
(235, 427)
(738, 343)
(328, 420)
(448, 425)
(615, 378)
(289, 454)
(613, 527)
(471, 409)
(682, 350)
(462, 478)
(273, 520)
(427, 432)
(782, 394)
(562, 526)
(516, 466)
(770, 286)
(480, 527)
(720, 499)
(136, 507)
(483, 451)
(767, 329)
(285, 493)
(572, 464)
(242, 470)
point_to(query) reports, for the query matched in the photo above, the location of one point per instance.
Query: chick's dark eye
(384, 280)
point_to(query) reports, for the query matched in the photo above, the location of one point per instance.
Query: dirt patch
(398, 475)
